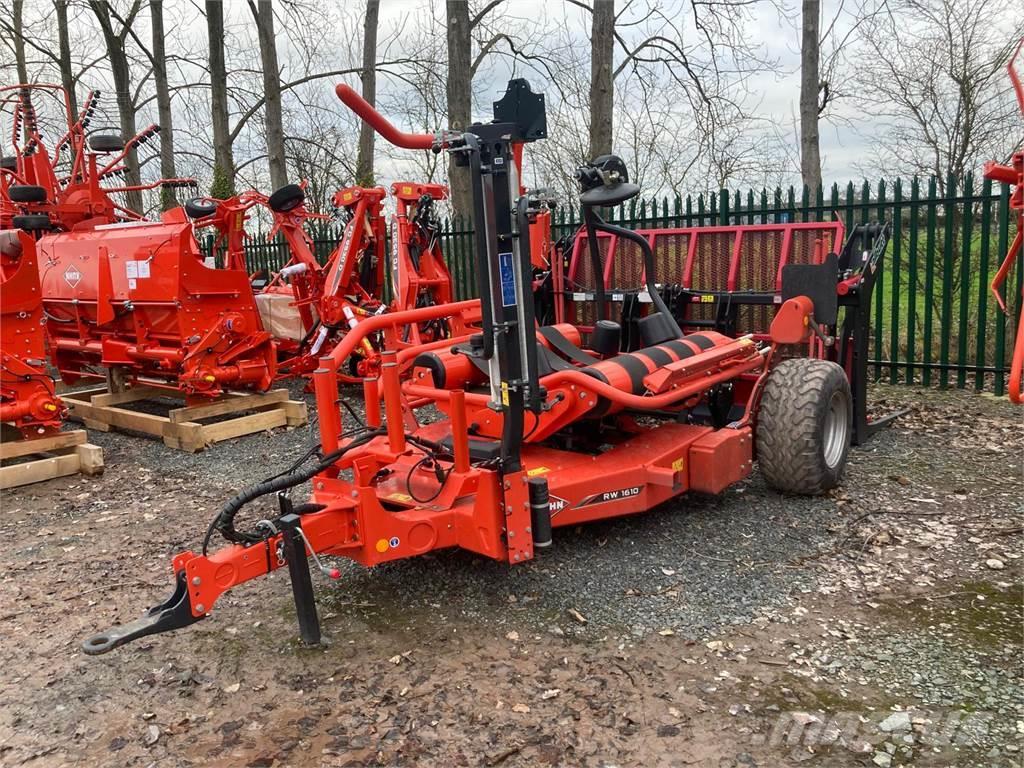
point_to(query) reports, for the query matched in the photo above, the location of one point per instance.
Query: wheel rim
(837, 428)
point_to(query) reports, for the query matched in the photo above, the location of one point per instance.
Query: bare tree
(223, 158)
(263, 13)
(364, 163)
(810, 58)
(935, 69)
(602, 79)
(120, 70)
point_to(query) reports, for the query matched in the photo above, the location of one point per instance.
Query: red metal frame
(1012, 174)
(27, 396)
(80, 195)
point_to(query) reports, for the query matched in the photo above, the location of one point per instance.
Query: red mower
(125, 299)
(544, 427)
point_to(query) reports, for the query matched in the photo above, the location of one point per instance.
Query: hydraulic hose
(224, 522)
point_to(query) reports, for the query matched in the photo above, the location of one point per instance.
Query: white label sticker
(144, 268)
(131, 269)
(72, 276)
(132, 284)
(579, 297)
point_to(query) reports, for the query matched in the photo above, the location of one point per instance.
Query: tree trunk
(168, 199)
(19, 53)
(602, 87)
(460, 96)
(67, 77)
(810, 56)
(19, 41)
(364, 161)
(263, 12)
(223, 161)
(121, 73)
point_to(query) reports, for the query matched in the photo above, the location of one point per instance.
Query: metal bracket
(173, 613)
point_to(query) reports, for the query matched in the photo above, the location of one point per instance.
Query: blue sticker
(508, 280)
(393, 542)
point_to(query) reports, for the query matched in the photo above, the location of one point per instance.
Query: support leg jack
(298, 570)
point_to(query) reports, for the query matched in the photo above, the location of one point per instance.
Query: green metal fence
(935, 321)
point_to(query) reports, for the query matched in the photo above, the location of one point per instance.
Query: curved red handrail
(380, 124)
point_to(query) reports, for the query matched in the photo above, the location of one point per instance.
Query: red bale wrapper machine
(126, 298)
(543, 427)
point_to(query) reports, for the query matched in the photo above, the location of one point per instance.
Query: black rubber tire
(106, 142)
(287, 197)
(32, 222)
(200, 208)
(804, 424)
(27, 193)
(9, 163)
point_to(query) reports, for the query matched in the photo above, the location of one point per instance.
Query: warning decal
(72, 276)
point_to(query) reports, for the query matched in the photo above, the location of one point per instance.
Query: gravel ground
(696, 634)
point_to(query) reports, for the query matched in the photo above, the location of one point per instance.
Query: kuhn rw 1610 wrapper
(544, 426)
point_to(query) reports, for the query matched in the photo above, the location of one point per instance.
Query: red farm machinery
(543, 426)
(1013, 173)
(125, 299)
(27, 396)
(310, 307)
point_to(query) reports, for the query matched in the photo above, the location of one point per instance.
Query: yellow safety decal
(537, 471)
(746, 342)
(406, 190)
(707, 299)
(399, 497)
(346, 197)
(504, 393)
(678, 464)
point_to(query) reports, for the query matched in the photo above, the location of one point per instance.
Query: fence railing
(935, 321)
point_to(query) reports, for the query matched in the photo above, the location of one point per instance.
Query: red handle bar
(380, 124)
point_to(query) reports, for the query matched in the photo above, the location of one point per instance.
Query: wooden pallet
(61, 454)
(182, 427)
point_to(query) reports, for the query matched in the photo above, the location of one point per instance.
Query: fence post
(915, 195)
(897, 252)
(1001, 319)
(880, 283)
(965, 277)
(947, 280)
(980, 341)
